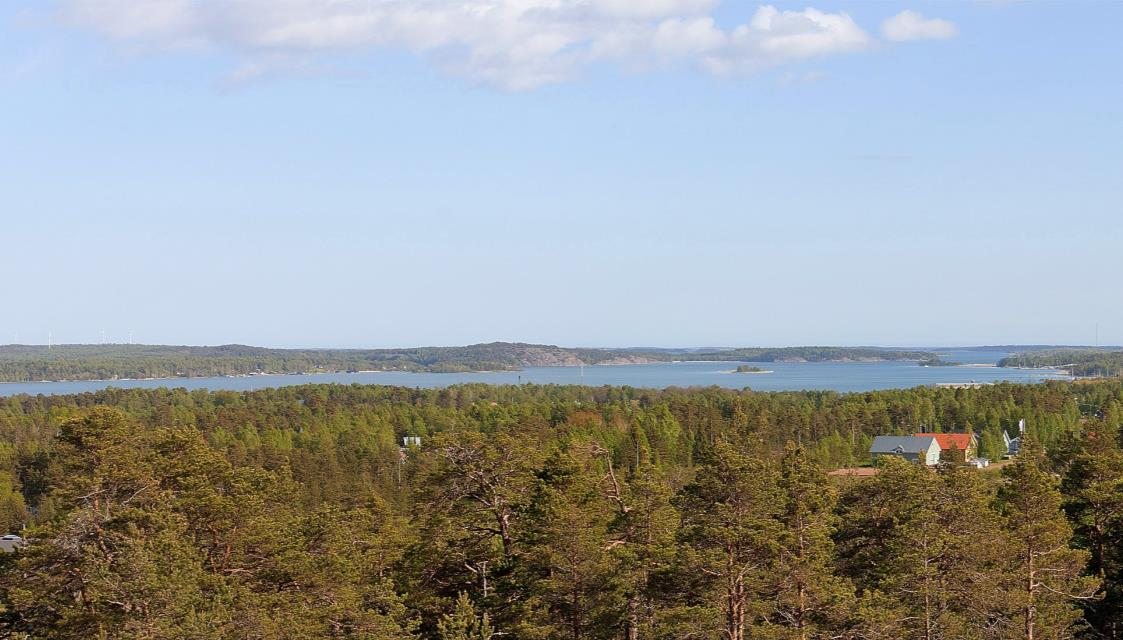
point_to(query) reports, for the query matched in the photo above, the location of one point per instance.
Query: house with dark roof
(919, 449)
(1013, 445)
(956, 448)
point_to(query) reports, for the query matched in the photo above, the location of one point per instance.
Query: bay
(784, 376)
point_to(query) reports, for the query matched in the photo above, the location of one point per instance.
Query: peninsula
(1080, 362)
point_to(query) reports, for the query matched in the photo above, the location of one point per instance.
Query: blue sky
(575, 172)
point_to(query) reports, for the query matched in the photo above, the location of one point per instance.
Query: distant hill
(1080, 361)
(811, 354)
(102, 362)
(1022, 348)
(23, 363)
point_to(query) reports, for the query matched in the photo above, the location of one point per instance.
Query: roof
(855, 472)
(902, 444)
(961, 441)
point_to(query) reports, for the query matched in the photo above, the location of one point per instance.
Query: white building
(919, 449)
(11, 542)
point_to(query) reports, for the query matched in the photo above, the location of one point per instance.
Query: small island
(936, 361)
(744, 368)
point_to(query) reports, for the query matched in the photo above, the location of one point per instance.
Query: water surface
(785, 376)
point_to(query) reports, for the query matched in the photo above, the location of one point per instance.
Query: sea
(978, 367)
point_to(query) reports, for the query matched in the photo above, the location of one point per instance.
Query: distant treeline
(20, 363)
(806, 354)
(1080, 362)
(934, 360)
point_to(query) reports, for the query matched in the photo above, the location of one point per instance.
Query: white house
(11, 542)
(920, 449)
(1013, 445)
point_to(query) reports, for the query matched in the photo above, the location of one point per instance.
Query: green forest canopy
(555, 512)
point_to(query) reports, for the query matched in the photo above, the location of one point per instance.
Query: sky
(387, 173)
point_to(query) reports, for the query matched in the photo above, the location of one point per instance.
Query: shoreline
(809, 377)
(1053, 371)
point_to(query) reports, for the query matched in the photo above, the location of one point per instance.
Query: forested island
(1079, 362)
(795, 354)
(934, 360)
(551, 512)
(23, 363)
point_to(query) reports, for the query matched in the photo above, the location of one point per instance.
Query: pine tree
(972, 549)
(730, 528)
(991, 444)
(807, 597)
(464, 623)
(1046, 582)
(1093, 486)
(566, 571)
(641, 542)
(926, 544)
(471, 495)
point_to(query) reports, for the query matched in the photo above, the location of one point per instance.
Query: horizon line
(930, 347)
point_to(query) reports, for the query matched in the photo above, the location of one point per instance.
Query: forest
(557, 512)
(27, 363)
(1089, 363)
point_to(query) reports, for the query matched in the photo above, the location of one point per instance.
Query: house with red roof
(955, 448)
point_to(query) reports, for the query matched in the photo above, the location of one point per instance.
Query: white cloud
(512, 44)
(776, 37)
(169, 20)
(910, 25)
(653, 8)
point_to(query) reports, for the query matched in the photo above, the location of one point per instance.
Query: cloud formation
(910, 25)
(512, 44)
